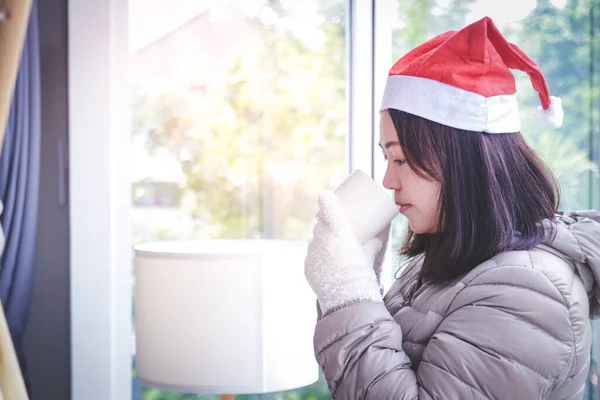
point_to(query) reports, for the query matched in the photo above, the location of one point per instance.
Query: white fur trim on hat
(554, 115)
(451, 106)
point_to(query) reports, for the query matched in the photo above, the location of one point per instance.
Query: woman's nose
(391, 182)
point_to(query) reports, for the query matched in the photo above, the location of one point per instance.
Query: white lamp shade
(224, 316)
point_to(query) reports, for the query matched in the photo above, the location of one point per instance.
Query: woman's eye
(397, 162)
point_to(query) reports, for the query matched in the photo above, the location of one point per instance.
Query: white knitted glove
(337, 267)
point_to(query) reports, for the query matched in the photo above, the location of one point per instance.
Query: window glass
(239, 119)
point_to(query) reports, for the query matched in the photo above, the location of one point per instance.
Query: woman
(496, 300)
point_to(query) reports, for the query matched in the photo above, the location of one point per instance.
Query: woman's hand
(337, 267)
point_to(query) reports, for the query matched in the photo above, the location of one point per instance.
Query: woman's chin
(419, 228)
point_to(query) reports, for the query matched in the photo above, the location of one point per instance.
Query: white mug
(367, 205)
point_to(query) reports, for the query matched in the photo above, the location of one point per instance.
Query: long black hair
(495, 192)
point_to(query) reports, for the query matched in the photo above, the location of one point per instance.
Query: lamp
(224, 317)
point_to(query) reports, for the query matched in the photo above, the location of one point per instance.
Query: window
(239, 118)
(302, 79)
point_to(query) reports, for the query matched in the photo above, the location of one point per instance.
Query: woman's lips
(404, 207)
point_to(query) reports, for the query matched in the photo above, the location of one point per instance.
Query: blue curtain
(19, 182)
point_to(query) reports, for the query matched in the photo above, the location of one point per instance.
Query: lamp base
(228, 397)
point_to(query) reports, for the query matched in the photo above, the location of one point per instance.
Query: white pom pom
(553, 116)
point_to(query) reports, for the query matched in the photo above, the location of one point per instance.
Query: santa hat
(462, 79)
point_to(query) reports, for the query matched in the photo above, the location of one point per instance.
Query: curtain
(19, 182)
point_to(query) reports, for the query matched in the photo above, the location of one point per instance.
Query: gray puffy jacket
(515, 327)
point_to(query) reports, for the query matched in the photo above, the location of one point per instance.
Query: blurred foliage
(263, 136)
(562, 42)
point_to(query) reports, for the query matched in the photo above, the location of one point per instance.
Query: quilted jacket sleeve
(506, 335)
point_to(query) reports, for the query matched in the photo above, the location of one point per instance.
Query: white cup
(368, 207)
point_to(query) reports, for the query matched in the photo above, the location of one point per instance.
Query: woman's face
(417, 197)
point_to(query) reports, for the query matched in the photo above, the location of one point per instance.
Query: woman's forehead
(388, 137)
(387, 128)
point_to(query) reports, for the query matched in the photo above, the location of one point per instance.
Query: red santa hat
(462, 79)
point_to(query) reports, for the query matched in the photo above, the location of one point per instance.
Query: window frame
(360, 42)
(99, 196)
